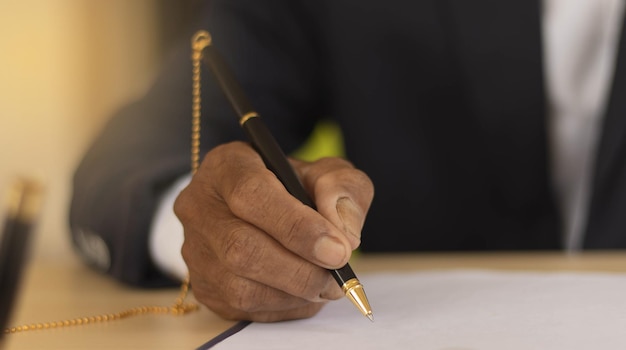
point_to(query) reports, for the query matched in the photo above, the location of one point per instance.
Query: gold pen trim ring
(353, 289)
(247, 116)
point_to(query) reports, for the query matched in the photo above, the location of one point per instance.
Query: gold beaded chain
(198, 43)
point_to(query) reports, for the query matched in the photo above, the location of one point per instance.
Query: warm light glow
(65, 66)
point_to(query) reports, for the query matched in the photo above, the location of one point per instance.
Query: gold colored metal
(353, 289)
(199, 42)
(24, 200)
(136, 311)
(247, 116)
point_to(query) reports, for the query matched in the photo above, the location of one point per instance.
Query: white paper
(461, 310)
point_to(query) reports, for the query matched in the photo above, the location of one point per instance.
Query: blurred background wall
(65, 67)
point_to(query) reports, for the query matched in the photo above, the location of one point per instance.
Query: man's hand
(255, 252)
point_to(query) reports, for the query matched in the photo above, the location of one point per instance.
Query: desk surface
(67, 289)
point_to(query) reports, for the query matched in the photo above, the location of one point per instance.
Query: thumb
(341, 193)
(351, 220)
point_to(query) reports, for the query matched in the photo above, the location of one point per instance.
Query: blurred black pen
(24, 201)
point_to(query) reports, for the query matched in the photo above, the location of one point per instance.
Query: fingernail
(330, 251)
(351, 217)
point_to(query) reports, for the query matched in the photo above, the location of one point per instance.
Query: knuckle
(183, 205)
(308, 286)
(358, 181)
(187, 251)
(294, 226)
(246, 189)
(241, 251)
(348, 176)
(244, 296)
(213, 159)
(223, 152)
(227, 156)
(363, 182)
(221, 160)
(330, 178)
(335, 163)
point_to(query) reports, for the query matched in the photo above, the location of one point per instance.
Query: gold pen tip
(354, 291)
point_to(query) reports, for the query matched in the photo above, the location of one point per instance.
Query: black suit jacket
(442, 103)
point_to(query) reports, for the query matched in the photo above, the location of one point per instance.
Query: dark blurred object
(23, 205)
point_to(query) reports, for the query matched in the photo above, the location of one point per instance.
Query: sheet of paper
(461, 310)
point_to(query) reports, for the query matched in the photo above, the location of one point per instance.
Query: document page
(461, 310)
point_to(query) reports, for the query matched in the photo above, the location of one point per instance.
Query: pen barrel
(13, 248)
(274, 158)
(24, 202)
(259, 135)
(227, 81)
(343, 274)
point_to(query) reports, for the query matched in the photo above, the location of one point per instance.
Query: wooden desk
(67, 289)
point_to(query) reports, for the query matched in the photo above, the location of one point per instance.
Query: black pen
(23, 203)
(273, 156)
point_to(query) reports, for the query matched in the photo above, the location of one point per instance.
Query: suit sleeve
(145, 147)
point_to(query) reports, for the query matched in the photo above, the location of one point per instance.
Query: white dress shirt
(166, 236)
(580, 46)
